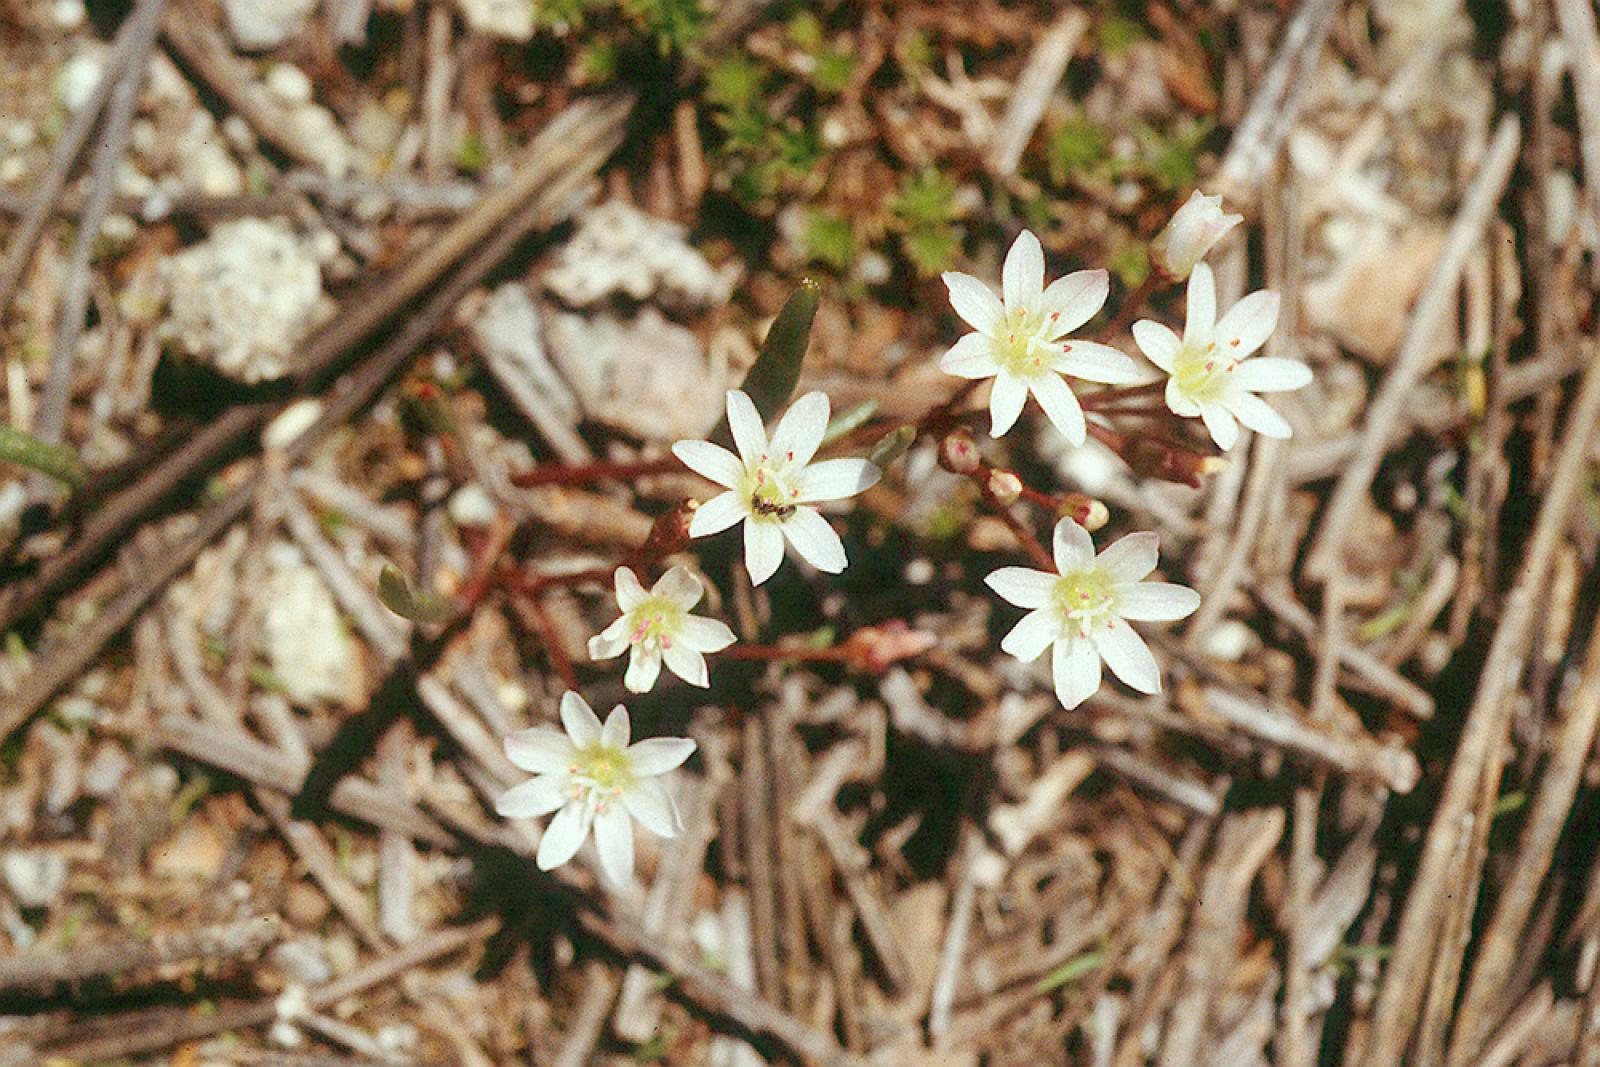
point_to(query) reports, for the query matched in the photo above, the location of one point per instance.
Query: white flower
(770, 483)
(1083, 611)
(1212, 375)
(657, 626)
(1197, 226)
(1020, 339)
(591, 777)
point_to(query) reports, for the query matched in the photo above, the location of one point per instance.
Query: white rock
(258, 25)
(291, 422)
(619, 249)
(302, 636)
(68, 14)
(80, 77)
(203, 160)
(289, 84)
(471, 505)
(507, 333)
(645, 375)
(242, 298)
(35, 877)
(510, 19)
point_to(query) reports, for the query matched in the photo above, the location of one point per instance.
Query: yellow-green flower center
(1201, 373)
(655, 618)
(1085, 599)
(770, 496)
(1019, 348)
(601, 771)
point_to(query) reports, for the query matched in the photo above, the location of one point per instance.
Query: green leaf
(849, 420)
(891, 446)
(408, 602)
(772, 379)
(58, 461)
(1071, 971)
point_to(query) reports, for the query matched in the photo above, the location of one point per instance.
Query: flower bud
(1196, 227)
(1004, 486)
(1084, 510)
(958, 453)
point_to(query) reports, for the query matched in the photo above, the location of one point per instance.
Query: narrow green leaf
(400, 597)
(1071, 971)
(849, 420)
(892, 445)
(772, 379)
(58, 461)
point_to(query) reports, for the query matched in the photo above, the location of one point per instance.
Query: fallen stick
(549, 201)
(1486, 721)
(244, 939)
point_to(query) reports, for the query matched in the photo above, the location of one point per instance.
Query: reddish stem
(801, 653)
(1019, 529)
(580, 474)
(1107, 397)
(1132, 305)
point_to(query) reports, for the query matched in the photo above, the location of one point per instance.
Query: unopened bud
(958, 453)
(1198, 225)
(874, 649)
(1004, 486)
(1084, 510)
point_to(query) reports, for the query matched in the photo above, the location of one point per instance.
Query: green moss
(1078, 145)
(829, 238)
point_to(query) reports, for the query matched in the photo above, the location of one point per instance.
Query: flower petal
(1022, 586)
(975, 302)
(1061, 407)
(1158, 343)
(705, 635)
(1201, 311)
(763, 550)
(652, 807)
(658, 755)
(1075, 669)
(1156, 601)
(1179, 402)
(644, 667)
(533, 798)
(717, 514)
(1022, 276)
(1258, 415)
(582, 724)
(1129, 558)
(611, 641)
(834, 479)
(749, 435)
(629, 591)
(1071, 301)
(539, 750)
(1218, 420)
(613, 839)
(1268, 374)
(1095, 362)
(1128, 657)
(686, 663)
(1248, 324)
(972, 357)
(815, 540)
(709, 461)
(564, 836)
(1072, 546)
(1032, 634)
(679, 585)
(799, 432)
(1006, 398)
(617, 729)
